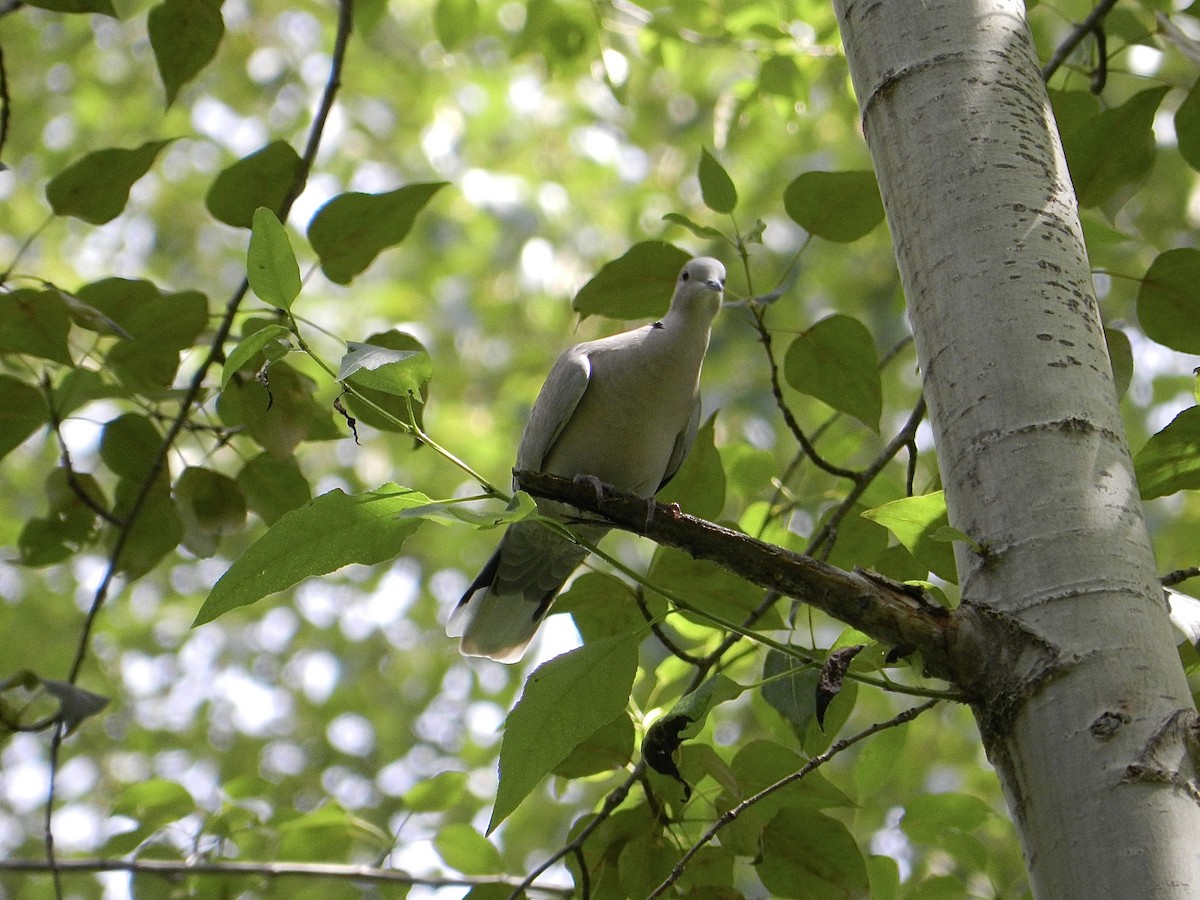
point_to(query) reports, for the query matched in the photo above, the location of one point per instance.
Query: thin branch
(175, 869)
(575, 845)
(817, 761)
(905, 437)
(5, 105)
(656, 628)
(1179, 575)
(789, 419)
(64, 456)
(1082, 30)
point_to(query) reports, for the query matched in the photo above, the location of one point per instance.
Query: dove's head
(701, 285)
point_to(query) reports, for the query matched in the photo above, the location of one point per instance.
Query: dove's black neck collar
(657, 325)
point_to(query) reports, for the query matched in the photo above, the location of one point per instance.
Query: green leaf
(602, 605)
(279, 415)
(835, 361)
(69, 525)
(699, 485)
(104, 7)
(610, 747)
(915, 521)
(35, 323)
(96, 187)
(564, 701)
(700, 231)
(273, 486)
(795, 862)
(708, 587)
(454, 21)
(875, 765)
(838, 206)
(154, 802)
(374, 403)
(261, 179)
(1187, 127)
(1168, 307)
(1170, 460)
(435, 794)
(251, 346)
(780, 76)
(22, 412)
(155, 532)
(1113, 149)
(352, 229)
(638, 285)
(463, 848)
(332, 531)
(930, 817)
(716, 187)
(130, 445)
(184, 35)
(210, 504)
(684, 721)
(270, 262)
(398, 372)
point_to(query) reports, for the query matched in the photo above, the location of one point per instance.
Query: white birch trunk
(1065, 645)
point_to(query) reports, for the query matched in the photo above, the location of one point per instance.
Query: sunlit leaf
(835, 361)
(915, 521)
(96, 187)
(332, 531)
(154, 802)
(251, 346)
(609, 747)
(701, 231)
(440, 792)
(398, 372)
(184, 35)
(463, 848)
(352, 229)
(635, 286)
(270, 261)
(564, 701)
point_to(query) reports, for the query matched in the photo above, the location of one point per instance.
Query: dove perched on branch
(622, 410)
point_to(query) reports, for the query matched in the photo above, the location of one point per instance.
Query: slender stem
(816, 762)
(1082, 30)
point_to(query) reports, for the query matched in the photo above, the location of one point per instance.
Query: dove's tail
(501, 610)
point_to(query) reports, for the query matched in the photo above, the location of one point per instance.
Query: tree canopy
(280, 282)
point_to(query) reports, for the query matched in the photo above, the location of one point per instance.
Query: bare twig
(175, 869)
(1078, 33)
(789, 419)
(64, 455)
(817, 761)
(575, 845)
(657, 629)
(1179, 575)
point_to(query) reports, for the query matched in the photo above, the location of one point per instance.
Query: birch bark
(1064, 644)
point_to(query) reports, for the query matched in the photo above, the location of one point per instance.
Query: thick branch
(890, 612)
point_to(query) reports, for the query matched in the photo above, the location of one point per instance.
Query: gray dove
(622, 410)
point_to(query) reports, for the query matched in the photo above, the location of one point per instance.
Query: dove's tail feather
(501, 610)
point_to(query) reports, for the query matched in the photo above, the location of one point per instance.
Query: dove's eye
(684, 277)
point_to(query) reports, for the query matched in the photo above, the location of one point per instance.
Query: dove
(622, 411)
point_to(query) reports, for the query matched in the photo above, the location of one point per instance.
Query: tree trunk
(1064, 645)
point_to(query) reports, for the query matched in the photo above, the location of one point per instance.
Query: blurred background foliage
(335, 722)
